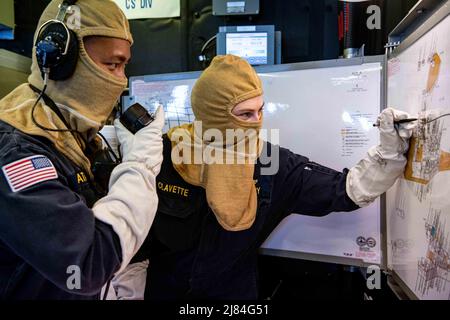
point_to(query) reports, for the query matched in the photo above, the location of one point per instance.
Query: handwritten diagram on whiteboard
(418, 206)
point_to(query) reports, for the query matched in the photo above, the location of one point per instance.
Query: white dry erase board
(323, 110)
(418, 206)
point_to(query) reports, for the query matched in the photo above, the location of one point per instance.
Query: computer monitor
(256, 44)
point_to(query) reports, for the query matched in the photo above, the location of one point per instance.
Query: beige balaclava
(86, 99)
(230, 188)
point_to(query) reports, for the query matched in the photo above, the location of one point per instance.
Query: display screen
(250, 46)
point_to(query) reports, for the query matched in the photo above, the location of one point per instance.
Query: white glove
(131, 203)
(394, 140)
(130, 283)
(376, 173)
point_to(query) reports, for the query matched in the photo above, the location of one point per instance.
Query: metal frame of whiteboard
(415, 18)
(268, 68)
(404, 292)
(303, 66)
(438, 15)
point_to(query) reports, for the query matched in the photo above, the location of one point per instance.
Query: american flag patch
(29, 171)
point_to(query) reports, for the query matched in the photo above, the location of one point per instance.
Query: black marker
(399, 121)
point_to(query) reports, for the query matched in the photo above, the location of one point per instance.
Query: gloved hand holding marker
(377, 124)
(408, 120)
(384, 163)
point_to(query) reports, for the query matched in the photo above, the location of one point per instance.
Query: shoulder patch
(29, 171)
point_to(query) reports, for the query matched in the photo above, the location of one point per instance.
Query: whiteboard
(327, 114)
(418, 206)
(323, 110)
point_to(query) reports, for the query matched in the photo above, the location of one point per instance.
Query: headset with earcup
(57, 52)
(57, 46)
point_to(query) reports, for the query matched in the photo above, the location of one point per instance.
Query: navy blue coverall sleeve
(51, 228)
(312, 189)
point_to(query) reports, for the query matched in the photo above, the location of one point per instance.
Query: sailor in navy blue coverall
(49, 226)
(192, 256)
(60, 236)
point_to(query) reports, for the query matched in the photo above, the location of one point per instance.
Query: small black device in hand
(135, 118)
